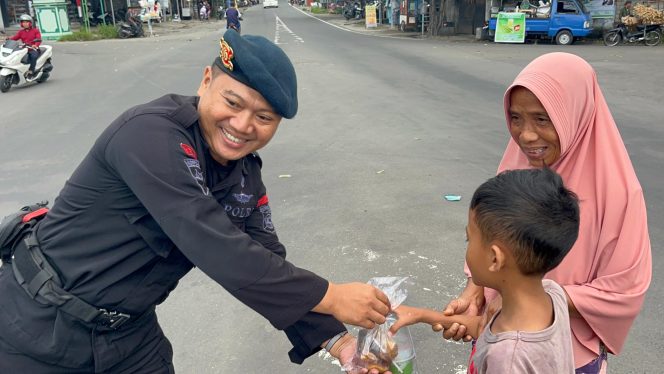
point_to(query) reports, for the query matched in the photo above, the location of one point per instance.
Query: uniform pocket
(150, 231)
(39, 331)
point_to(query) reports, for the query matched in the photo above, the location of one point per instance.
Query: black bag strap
(42, 283)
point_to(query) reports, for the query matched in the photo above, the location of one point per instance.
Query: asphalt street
(386, 127)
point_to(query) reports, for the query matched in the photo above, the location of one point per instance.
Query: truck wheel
(564, 37)
(612, 38)
(6, 82)
(652, 38)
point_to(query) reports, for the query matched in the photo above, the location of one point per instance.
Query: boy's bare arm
(409, 315)
(472, 323)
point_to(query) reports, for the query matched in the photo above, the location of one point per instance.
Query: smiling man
(169, 185)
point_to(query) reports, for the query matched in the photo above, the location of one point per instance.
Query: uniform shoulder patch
(267, 218)
(195, 170)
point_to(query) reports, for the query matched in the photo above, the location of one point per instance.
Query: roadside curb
(358, 26)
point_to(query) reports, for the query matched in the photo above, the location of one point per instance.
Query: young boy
(521, 224)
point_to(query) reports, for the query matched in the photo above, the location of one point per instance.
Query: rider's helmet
(25, 18)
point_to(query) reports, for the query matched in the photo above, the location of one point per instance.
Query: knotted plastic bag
(376, 348)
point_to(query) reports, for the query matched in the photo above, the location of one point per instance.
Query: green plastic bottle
(406, 367)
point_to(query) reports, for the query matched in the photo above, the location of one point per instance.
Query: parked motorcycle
(353, 11)
(14, 64)
(648, 34)
(131, 28)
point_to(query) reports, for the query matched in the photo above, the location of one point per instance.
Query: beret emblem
(226, 54)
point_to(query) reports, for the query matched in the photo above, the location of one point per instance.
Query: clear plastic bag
(376, 348)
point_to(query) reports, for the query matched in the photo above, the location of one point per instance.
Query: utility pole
(86, 20)
(112, 13)
(380, 13)
(102, 12)
(2, 23)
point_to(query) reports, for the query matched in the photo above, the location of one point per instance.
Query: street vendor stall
(410, 13)
(648, 15)
(644, 25)
(560, 20)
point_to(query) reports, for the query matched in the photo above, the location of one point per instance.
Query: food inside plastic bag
(376, 348)
(381, 351)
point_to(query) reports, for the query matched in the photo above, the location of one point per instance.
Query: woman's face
(532, 129)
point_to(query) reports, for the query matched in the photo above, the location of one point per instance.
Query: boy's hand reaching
(410, 315)
(407, 315)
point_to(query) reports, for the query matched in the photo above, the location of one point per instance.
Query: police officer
(169, 185)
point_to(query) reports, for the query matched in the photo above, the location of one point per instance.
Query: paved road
(386, 127)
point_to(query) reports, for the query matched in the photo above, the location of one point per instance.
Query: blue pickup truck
(560, 20)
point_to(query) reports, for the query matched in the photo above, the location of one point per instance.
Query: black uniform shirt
(149, 202)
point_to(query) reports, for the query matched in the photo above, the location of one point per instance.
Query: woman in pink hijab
(557, 116)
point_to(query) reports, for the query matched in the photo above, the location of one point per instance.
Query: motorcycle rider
(626, 10)
(31, 37)
(233, 18)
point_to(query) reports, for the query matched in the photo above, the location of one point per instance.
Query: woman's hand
(469, 303)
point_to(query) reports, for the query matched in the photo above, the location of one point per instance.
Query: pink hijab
(607, 272)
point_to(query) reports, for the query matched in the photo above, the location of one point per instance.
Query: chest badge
(242, 197)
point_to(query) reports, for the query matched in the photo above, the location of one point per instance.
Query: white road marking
(353, 31)
(282, 26)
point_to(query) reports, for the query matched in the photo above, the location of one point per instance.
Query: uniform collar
(234, 177)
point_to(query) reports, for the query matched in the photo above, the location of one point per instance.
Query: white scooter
(14, 64)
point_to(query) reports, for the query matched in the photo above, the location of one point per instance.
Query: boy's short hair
(532, 213)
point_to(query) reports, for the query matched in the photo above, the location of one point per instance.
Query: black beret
(260, 64)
